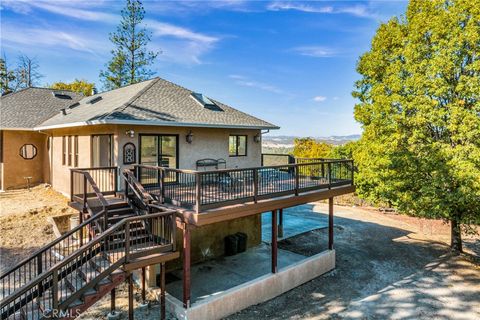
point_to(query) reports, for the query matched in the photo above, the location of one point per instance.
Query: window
(75, 151)
(129, 153)
(28, 151)
(64, 150)
(69, 150)
(237, 146)
(102, 150)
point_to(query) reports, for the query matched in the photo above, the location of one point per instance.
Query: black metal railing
(202, 190)
(53, 289)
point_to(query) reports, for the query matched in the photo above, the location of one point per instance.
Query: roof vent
(94, 100)
(66, 111)
(61, 95)
(206, 102)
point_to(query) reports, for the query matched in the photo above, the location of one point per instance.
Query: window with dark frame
(28, 151)
(64, 150)
(237, 145)
(75, 151)
(69, 151)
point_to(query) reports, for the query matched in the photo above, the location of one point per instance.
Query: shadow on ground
(381, 273)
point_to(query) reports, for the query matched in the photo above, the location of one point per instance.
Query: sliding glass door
(158, 150)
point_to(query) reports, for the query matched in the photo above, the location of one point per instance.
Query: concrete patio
(216, 276)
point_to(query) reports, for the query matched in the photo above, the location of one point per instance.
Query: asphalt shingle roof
(154, 102)
(29, 107)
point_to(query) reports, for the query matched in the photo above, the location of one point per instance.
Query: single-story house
(47, 132)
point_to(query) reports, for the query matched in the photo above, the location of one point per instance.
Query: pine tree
(7, 77)
(130, 59)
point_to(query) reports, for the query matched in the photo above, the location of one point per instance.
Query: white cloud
(188, 44)
(246, 82)
(354, 10)
(319, 98)
(47, 38)
(315, 51)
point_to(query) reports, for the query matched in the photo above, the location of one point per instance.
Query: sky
(291, 63)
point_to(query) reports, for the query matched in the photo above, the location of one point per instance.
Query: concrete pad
(216, 276)
(263, 288)
(296, 220)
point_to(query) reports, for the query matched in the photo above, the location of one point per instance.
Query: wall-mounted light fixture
(257, 138)
(189, 137)
(130, 133)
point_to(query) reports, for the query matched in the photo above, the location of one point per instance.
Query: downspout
(50, 161)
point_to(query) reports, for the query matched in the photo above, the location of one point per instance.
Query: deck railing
(203, 190)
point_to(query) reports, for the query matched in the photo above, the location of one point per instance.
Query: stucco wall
(207, 242)
(15, 168)
(207, 143)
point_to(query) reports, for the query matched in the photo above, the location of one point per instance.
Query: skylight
(206, 102)
(93, 100)
(61, 95)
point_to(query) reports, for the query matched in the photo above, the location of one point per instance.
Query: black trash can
(231, 245)
(242, 241)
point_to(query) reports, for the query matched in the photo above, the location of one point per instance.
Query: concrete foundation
(221, 304)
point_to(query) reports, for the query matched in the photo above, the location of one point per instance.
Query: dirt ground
(388, 266)
(23, 221)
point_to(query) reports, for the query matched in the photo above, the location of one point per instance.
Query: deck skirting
(255, 291)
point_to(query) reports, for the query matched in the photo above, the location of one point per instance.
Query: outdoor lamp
(130, 133)
(189, 137)
(257, 138)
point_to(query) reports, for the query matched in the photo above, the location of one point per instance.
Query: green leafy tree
(420, 110)
(81, 86)
(130, 59)
(344, 151)
(310, 148)
(7, 77)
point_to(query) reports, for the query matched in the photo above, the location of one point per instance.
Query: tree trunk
(456, 234)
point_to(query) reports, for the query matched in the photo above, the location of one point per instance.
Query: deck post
(198, 190)
(280, 223)
(130, 296)
(186, 266)
(330, 223)
(112, 301)
(162, 293)
(144, 299)
(274, 241)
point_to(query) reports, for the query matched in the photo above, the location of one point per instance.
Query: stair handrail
(132, 183)
(38, 282)
(40, 254)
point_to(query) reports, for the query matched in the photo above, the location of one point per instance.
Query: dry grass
(23, 221)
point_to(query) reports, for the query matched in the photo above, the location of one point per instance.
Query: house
(23, 150)
(158, 172)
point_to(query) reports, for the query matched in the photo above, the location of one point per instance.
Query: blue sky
(289, 62)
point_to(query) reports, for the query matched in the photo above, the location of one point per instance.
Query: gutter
(154, 123)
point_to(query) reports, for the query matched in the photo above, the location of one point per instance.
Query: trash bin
(231, 245)
(242, 241)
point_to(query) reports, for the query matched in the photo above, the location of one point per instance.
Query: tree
(344, 151)
(27, 74)
(7, 77)
(130, 58)
(310, 148)
(420, 110)
(81, 86)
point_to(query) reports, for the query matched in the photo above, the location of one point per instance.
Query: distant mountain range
(287, 141)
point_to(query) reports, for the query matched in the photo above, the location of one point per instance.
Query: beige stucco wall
(15, 168)
(207, 143)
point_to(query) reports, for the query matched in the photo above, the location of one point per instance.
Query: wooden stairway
(107, 247)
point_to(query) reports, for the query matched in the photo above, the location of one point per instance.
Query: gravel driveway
(388, 267)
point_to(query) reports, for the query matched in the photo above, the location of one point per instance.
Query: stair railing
(47, 256)
(135, 193)
(45, 290)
